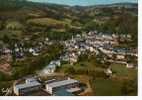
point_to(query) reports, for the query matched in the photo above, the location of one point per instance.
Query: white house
(49, 69)
(130, 65)
(108, 71)
(120, 57)
(7, 51)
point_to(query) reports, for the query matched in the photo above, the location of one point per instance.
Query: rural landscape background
(95, 44)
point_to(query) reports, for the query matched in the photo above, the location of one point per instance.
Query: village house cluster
(97, 43)
(23, 48)
(93, 42)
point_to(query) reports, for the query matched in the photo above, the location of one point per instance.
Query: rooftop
(71, 90)
(26, 85)
(62, 83)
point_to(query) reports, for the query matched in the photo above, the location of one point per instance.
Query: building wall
(16, 90)
(49, 89)
(52, 90)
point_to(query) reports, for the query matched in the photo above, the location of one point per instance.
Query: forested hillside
(35, 17)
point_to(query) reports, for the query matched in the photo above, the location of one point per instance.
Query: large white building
(67, 84)
(29, 86)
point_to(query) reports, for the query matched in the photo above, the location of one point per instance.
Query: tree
(69, 70)
(129, 87)
(6, 39)
(1, 24)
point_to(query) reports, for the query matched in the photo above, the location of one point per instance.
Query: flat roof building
(69, 83)
(29, 86)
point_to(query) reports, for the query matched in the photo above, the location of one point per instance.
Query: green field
(48, 22)
(107, 87)
(121, 70)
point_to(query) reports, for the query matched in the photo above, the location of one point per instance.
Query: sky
(83, 2)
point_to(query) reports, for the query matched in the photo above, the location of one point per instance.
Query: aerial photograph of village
(68, 47)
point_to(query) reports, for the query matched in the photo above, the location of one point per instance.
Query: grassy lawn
(107, 87)
(88, 65)
(121, 70)
(80, 68)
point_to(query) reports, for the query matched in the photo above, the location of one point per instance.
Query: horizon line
(48, 2)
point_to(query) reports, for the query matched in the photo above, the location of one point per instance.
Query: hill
(35, 17)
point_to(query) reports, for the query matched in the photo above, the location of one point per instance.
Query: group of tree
(8, 5)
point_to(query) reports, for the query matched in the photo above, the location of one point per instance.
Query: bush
(129, 87)
(69, 70)
(4, 77)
